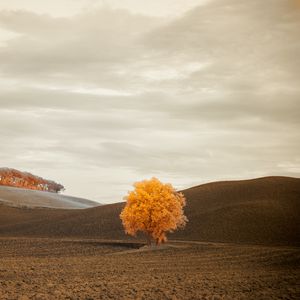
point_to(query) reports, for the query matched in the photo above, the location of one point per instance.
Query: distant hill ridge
(19, 197)
(258, 211)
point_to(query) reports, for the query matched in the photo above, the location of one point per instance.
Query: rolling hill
(19, 197)
(258, 211)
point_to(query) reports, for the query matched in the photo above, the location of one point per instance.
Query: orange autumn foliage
(153, 208)
(16, 178)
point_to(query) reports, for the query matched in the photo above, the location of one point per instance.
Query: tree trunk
(149, 239)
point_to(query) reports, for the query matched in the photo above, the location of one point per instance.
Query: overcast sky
(99, 94)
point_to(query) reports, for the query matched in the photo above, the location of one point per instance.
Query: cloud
(113, 97)
(243, 42)
(86, 48)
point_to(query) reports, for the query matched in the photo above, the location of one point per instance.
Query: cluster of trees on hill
(15, 178)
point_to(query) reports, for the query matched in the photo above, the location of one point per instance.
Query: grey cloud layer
(212, 94)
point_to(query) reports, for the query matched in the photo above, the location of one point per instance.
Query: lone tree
(153, 208)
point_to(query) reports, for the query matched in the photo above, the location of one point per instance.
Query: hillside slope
(264, 210)
(19, 197)
(259, 211)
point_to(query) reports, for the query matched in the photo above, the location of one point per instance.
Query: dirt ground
(93, 269)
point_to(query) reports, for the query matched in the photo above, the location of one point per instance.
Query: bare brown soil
(259, 211)
(94, 269)
(241, 242)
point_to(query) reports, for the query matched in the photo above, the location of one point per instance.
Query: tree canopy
(15, 178)
(153, 208)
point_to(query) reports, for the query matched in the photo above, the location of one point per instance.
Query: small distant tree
(153, 208)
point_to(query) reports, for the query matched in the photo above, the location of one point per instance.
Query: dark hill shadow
(258, 211)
